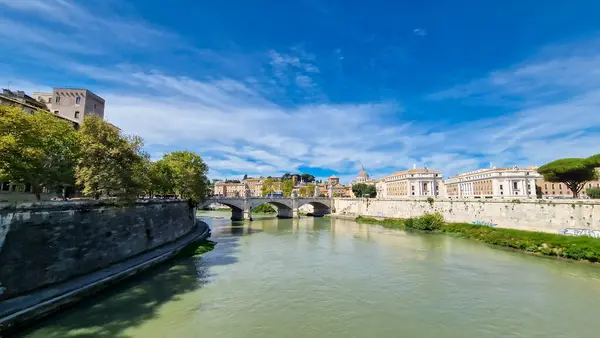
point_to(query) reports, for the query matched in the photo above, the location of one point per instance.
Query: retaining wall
(50, 242)
(525, 214)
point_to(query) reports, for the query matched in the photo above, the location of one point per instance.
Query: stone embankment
(55, 253)
(554, 216)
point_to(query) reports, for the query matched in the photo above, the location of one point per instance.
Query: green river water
(316, 277)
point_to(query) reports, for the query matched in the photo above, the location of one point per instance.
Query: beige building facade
(412, 182)
(493, 183)
(229, 189)
(560, 190)
(72, 103)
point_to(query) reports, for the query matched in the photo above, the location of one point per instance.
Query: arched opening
(314, 209)
(237, 213)
(282, 210)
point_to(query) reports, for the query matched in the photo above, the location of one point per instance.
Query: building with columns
(493, 183)
(412, 182)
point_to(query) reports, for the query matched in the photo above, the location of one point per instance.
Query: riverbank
(18, 312)
(538, 243)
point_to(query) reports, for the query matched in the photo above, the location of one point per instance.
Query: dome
(362, 173)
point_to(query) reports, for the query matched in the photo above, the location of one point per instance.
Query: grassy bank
(539, 243)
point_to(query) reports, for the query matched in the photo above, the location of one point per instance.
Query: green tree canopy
(268, 186)
(573, 172)
(161, 181)
(287, 187)
(111, 164)
(37, 148)
(188, 175)
(594, 160)
(362, 190)
(307, 178)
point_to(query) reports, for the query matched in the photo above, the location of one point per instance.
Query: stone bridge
(287, 207)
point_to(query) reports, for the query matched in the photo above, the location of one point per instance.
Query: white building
(381, 187)
(494, 182)
(412, 182)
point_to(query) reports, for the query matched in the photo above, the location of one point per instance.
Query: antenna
(361, 165)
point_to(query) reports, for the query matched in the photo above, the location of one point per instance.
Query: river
(317, 277)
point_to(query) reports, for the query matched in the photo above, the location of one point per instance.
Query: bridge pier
(241, 215)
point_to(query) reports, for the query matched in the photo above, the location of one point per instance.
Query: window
(589, 185)
(500, 186)
(545, 185)
(57, 99)
(76, 114)
(94, 107)
(56, 112)
(5, 186)
(515, 185)
(78, 100)
(552, 185)
(49, 100)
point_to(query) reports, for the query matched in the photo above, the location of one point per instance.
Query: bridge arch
(284, 209)
(320, 208)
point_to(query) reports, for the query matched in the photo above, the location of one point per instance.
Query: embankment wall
(526, 214)
(50, 242)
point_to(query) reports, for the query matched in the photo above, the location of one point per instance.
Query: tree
(307, 178)
(245, 176)
(303, 192)
(161, 181)
(111, 164)
(188, 172)
(287, 188)
(232, 181)
(268, 186)
(573, 172)
(286, 176)
(362, 190)
(37, 148)
(310, 190)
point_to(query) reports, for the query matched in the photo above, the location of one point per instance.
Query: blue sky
(267, 87)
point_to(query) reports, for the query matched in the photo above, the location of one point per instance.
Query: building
(229, 189)
(560, 190)
(381, 187)
(254, 185)
(72, 104)
(21, 100)
(493, 182)
(412, 182)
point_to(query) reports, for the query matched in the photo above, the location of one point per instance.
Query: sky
(267, 87)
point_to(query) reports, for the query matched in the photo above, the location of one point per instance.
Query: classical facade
(412, 182)
(72, 104)
(493, 182)
(560, 190)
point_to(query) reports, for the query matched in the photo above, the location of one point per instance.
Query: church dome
(362, 173)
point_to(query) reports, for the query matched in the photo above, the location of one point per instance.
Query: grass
(538, 243)
(392, 223)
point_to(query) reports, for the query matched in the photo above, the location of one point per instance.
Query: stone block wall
(50, 242)
(524, 214)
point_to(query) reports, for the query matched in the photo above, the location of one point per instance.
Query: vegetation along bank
(539, 243)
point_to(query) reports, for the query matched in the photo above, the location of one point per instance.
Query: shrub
(428, 222)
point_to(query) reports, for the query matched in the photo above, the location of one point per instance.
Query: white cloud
(237, 127)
